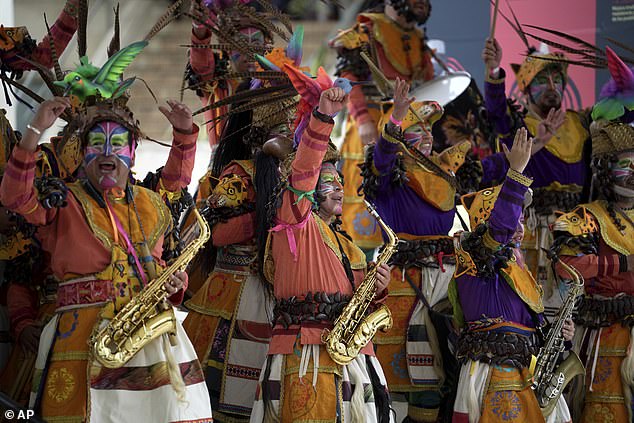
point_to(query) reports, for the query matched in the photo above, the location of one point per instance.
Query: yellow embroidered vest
(155, 218)
(431, 187)
(389, 35)
(567, 143)
(520, 280)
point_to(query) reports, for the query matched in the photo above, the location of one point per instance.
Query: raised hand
(492, 53)
(44, 118)
(200, 14)
(549, 127)
(179, 116)
(332, 101)
(48, 112)
(520, 153)
(401, 99)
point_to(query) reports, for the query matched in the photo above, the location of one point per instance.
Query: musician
(105, 246)
(498, 304)
(394, 38)
(315, 269)
(560, 163)
(598, 240)
(229, 319)
(414, 191)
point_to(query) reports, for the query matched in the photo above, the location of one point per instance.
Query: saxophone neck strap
(118, 228)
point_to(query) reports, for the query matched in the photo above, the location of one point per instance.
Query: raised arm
(388, 145)
(177, 173)
(17, 192)
(62, 32)
(297, 200)
(202, 60)
(507, 210)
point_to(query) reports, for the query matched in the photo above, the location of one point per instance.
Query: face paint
(416, 137)
(252, 36)
(329, 180)
(624, 166)
(109, 138)
(549, 82)
(329, 192)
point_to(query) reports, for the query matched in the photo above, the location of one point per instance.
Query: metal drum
(465, 116)
(443, 89)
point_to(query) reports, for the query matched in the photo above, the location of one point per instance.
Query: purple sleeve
(384, 158)
(495, 101)
(494, 167)
(507, 211)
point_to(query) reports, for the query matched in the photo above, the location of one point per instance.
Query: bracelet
(34, 129)
(322, 116)
(394, 121)
(519, 177)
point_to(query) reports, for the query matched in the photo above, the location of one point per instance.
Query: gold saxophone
(548, 381)
(353, 329)
(147, 316)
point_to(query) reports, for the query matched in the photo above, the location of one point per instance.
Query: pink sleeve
(202, 59)
(17, 192)
(591, 266)
(305, 170)
(177, 173)
(62, 32)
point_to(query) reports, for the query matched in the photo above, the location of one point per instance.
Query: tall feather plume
(237, 99)
(250, 105)
(518, 27)
(583, 53)
(21, 87)
(59, 75)
(82, 24)
(272, 75)
(115, 42)
(250, 94)
(164, 20)
(65, 115)
(277, 14)
(223, 35)
(588, 47)
(226, 47)
(183, 84)
(596, 63)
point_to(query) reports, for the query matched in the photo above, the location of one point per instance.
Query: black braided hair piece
(605, 181)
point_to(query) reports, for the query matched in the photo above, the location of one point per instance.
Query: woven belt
(497, 347)
(596, 312)
(83, 292)
(317, 307)
(424, 252)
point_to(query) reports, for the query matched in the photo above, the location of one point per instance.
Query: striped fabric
(327, 392)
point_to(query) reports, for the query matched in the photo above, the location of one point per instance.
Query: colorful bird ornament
(88, 80)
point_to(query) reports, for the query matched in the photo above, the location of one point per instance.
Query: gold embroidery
(60, 384)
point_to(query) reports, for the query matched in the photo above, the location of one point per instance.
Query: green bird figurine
(88, 80)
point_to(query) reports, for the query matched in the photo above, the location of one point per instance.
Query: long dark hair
(233, 145)
(267, 180)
